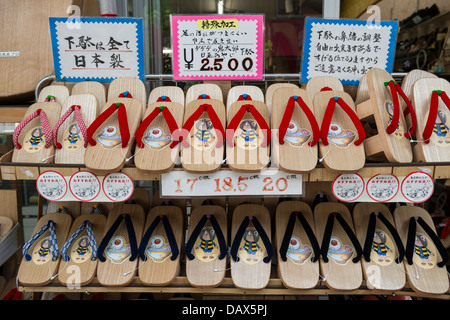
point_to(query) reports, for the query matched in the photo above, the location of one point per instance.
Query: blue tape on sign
(97, 49)
(347, 49)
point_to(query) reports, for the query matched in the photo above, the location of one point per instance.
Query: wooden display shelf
(181, 285)
(30, 171)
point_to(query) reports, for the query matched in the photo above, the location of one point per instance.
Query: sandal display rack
(30, 171)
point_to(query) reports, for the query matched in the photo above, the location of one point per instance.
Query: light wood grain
(72, 207)
(61, 93)
(219, 201)
(379, 275)
(316, 84)
(162, 273)
(159, 160)
(421, 99)
(175, 94)
(8, 199)
(271, 90)
(290, 157)
(6, 225)
(208, 159)
(202, 273)
(371, 98)
(344, 159)
(112, 159)
(433, 280)
(86, 270)
(338, 276)
(53, 111)
(133, 85)
(407, 85)
(25, 28)
(295, 275)
(89, 110)
(235, 92)
(250, 159)
(243, 275)
(33, 274)
(210, 89)
(121, 274)
(91, 87)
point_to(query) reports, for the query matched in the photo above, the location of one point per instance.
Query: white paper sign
(417, 187)
(100, 49)
(117, 187)
(229, 183)
(51, 185)
(85, 186)
(347, 49)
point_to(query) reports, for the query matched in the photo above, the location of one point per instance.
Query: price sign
(230, 183)
(217, 47)
(98, 49)
(347, 49)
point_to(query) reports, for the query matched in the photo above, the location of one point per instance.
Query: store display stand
(11, 171)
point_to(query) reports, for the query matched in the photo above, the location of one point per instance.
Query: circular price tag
(348, 187)
(382, 187)
(84, 185)
(117, 187)
(51, 185)
(417, 187)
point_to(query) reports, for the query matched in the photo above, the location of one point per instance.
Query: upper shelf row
(287, 127)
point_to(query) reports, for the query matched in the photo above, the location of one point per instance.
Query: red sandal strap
(80, 121)
(203, 96)
(408, 110)
(123, 123)
(126, 94)
(434, 104)
(164, 99)
(184, 132)
(288, 116)
(396, 116)
(244, 96)
(232, 126)
(45, 128)
(329, 114)
(149, 119)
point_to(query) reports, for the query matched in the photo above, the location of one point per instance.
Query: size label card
(230, 183)
(347, 49)
(85, 186)
(98, 49)
(217, 47)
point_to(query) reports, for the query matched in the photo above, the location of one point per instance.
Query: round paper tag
(348, 187)
(84, 185)
(51, 185)
(382, 187)
(117, 187)
(417, 187)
